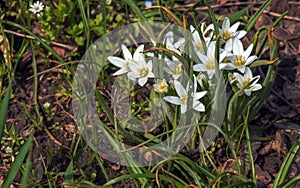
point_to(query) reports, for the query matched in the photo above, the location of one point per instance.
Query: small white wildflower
(182, 98)
(228, 34)
(8, 150)
(245, 79)
(240, 58)
(173, 67)
(141, 71)
(208, 60)
(161, 86)
(123, 63)
(46, 105)
(206, 34)
(36, 8)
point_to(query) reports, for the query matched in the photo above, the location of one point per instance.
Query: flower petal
(117, 61)
(179, 89)
(142, 81)
(237, 48)
(248, 51)
(198, 106)
(226, 23)
(126, 53)
(173, 100)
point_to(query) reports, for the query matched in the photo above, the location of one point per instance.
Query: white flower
(240, 58)
(183, 97)
(36, 8)
(123, 63)
(148, 3)
(228, 34)
(140, 70)
(243, 80)
(161, 86)
(46, 105)
(206, 34)
(208, 60)
(173, 67)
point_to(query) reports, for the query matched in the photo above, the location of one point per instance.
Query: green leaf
(69, 174)
(79, 40)
(263, 62)
(4, 108)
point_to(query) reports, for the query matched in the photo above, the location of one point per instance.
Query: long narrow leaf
(4, 108)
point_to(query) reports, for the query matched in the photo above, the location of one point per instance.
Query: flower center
(144, 72)
(226, 60)
(200, 46)
(239, 60)
(226, 35)
(177, 69)
(184, 99)
(210, 65)
(162, 87)
(246, 81)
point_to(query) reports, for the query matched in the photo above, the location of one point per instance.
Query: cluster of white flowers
(232, 58)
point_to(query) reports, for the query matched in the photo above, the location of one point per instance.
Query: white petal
(199, 95)
(202, 57)
(179, 89)
(248, 51)
(226, 23)
(234, 27)
(256, 87)
(117, 61)
(183, 108)
(237, 48)
(248, 92)
(251, 59)
(240, 34)
(120, 71)
(126, 53)
(239, 77)
(228, 45)
(149, 65)
(173, 100)
(210, 73)
(227, 66)
(199, 68)
(248, 73)
(242, 68)
(138, 53)
(198, 106)
(142, 81)
(222, 55)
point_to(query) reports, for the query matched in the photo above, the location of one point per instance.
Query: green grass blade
(4, 108)
(256, 16)
(26, 174)
(69, 174)
(285, 167)
(16, 165)
(85, 22)
(136, 10)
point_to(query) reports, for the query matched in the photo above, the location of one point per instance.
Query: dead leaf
(263, 20)
(282, 34)
(60, 51)
(292, 92)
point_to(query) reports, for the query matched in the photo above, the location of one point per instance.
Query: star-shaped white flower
(123, 63)
(183, 97)
(161, 86)
(208, 60)
(36, 8)
(228, 34)
(173, 67)
(140, 70)
(240, 58)
(206, 34)
(243, 80)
